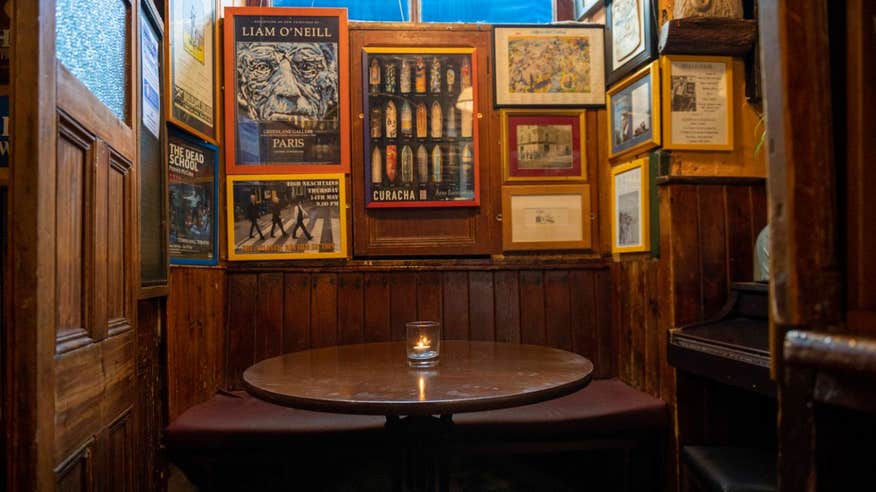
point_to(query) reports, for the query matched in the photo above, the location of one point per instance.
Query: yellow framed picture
(539, 217)
(286, 217)
(634, 113)
(543, 145)
(697, 102)
(630, 207)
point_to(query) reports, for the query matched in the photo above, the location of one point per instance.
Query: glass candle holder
(423, 343)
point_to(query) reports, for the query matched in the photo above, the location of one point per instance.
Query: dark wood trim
(709, 180)
(475, 264)
(830, 352)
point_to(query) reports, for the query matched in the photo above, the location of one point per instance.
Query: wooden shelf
(708, 36)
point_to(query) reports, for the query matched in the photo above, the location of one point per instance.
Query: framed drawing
(630, 37)
(697, 102)
(634, 112)
(538, 217)
(193, 187)
(543, 145)
(549, 66)
(191, 53)
(630, 207)
(421, 138)
(287, 217)
(286, 90)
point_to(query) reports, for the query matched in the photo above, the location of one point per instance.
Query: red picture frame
(543, 145)
(267, 132)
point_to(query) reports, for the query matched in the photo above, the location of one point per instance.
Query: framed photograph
(193, 188)
(538, 217)
(697, 102)
(421, 137)
(543, 145)
(630, 207)
(287, 217)
(634, 112)
(286, 90)
(630, 37)
(549, 65)
(192, 33)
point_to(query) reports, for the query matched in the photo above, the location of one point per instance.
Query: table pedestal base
(424, 462)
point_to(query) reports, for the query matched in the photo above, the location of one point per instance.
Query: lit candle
(423, 344)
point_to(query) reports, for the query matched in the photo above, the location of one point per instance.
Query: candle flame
(423, 343)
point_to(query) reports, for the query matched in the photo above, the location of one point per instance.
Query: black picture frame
(649, 53)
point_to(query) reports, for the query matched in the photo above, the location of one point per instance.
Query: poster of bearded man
(286, 98)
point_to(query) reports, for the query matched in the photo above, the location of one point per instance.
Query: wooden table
(374, 379)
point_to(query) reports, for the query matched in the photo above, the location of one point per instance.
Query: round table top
(375, 379)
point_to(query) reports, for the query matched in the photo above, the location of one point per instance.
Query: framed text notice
(193, 186)
(697, 102)
(421, 138)
(549, 65)
(286, 90)
(287, 217)
(191, 27)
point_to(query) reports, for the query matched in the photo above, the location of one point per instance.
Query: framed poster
(634, 112)
(630, 37)
(543, 145)
(421, 136)
(286, 90)
(193, 188)
(630, 207)
(287, 217)
(191, 53)
(549, 65)
(697, 102)
(538, 217)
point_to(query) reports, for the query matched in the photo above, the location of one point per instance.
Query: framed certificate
(697, 102)
(539, 217)
(634, 112)
(549, 65)
(630, 207)
(286, 90)
(543, 145)
(191, 52)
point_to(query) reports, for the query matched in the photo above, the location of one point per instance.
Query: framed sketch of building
(542, 217)
(630, 207)
(286, 90)
(543, 145)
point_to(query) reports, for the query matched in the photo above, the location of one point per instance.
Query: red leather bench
(232, 429)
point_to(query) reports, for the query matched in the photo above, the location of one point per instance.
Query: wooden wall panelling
(152, 367)
(351, 311)
(242, 316)
(269, 316)
(403, 303)
(741, 232)
(607, 338)
(429, 296)
(532, 329)
(558, 316)
(481, 310)
(195, 335)
(583, 316)
(712, 248)
(684, 255)
(377, 319)
(296, 311)
(507, 309)
(456, 306)
(323, 310)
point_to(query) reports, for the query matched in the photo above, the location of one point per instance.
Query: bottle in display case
(376, 166)
(437, 166)
(437, 120)
(466, 171)
(404, 79)
(420, 76)
(391, 120)
(374, 76)
(376, 122)
(407, 164)
(391, 163)
(465, 123)
(451, 121)
(389, 77)
(451, 170)
(422, 164)
(450, 78)
(407, 124)
(435, 76)
(422, 121)
(465, 74)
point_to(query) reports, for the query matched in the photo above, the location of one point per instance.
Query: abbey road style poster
(286, 217)
(286, 90)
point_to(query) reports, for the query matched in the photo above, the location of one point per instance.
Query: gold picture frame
(546, 217)
(695, 116)
(631, 207)
(624, 105)
(565, 160)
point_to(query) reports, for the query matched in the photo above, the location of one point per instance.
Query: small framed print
(543, 145)
(420, 131)
(630, 37)
(287, 217)
(193, 187)
(697, 102)
(630, 207)
(287, 97)
(634, 112)
(192, 30)
(558, 66)
(539, 217)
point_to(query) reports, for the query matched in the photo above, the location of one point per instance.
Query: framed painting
(193, 188)
(286, 90)
(634, 113)
(540, 217)
(543, 145)
(286, 217)
(630, 207)
(192, 34)
(630, 37)
(421, 137)
(697, 102)
(558, 66)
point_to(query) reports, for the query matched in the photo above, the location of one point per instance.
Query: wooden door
(71, 358)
